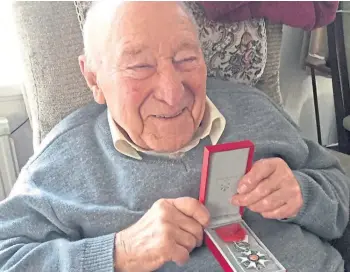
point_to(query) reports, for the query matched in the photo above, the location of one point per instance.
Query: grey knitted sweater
(77, 191)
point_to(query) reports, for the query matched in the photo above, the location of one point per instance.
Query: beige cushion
(51, 43)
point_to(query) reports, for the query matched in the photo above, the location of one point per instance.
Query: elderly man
(115, 188)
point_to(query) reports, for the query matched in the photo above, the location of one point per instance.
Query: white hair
(189, 14)
(97, 29)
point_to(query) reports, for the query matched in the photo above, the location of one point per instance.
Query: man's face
(154, 82)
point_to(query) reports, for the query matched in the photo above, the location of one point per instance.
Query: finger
(271, 202)
(166, 212)
(192, 208)
(264, 188)
(180, 255)
(185, 239)
(260, 170)
(286, 211)
(189, 225)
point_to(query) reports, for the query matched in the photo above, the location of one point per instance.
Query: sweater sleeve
(324, 186)
(325, 190)
(32, 238)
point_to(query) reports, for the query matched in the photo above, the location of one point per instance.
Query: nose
(170, 88)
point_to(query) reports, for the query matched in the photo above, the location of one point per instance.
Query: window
(10, 63)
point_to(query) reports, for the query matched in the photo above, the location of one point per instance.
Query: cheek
(197, 82)
(132, 97)
(124, 99)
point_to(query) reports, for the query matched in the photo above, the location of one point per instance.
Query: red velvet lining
(231, 233)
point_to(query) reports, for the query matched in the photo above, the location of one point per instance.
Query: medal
(249, 258)
(253, 259)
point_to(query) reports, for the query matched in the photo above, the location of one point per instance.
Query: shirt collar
(213, 124)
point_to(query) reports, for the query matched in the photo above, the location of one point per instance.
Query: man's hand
(169, 231)
(270, 189)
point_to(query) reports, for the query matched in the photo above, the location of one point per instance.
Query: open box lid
(223, 166)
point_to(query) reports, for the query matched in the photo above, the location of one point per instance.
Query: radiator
(8, 160)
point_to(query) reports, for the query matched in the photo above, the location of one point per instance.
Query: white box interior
(225, 170)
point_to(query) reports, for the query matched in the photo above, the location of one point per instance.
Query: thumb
(192, 208)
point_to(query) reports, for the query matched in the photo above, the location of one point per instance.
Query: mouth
(169, 116)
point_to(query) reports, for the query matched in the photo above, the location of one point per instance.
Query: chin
(170, 144)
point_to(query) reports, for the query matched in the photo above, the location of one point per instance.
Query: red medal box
(232, 242)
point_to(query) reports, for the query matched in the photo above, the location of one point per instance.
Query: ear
(90, 78)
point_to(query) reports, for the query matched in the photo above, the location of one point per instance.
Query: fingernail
(242, 189)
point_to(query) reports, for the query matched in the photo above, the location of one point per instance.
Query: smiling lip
(168, 116)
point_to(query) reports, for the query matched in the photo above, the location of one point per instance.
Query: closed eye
(141, 66)
(186, 60)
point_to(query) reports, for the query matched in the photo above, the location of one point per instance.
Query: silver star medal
(253, 260)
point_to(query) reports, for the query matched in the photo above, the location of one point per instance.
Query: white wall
(297, 90)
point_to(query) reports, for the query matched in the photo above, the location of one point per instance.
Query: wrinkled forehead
(140, 23)
(135, 14)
